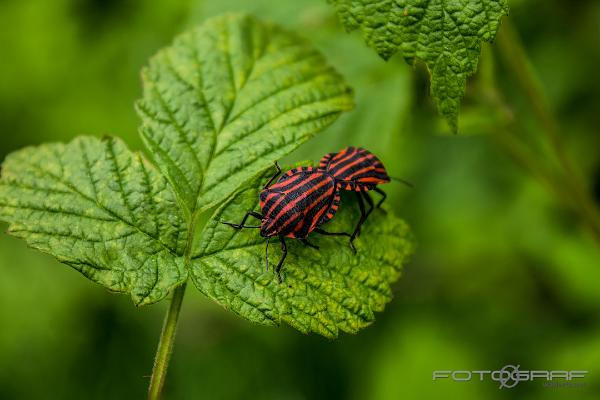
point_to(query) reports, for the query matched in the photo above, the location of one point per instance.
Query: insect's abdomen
(301, 200)
(355, 169)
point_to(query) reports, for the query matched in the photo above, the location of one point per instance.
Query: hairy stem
(165, 345)
(515, 58)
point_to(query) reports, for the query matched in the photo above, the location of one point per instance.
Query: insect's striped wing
(357, 168)
(335, 203)
(325, 160)
(301, 199)
(291, 180)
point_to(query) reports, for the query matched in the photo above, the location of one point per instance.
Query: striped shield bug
(297, 204)
(358, 170)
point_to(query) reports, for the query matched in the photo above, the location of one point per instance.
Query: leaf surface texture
(445, 34)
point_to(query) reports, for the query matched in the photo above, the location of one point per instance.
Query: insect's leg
(267, 253)
(323, 232)
(381, 192)
(309, 244)
(369, 201)
(363, 216)
(241, 224)
(274, 176)
(280, 263)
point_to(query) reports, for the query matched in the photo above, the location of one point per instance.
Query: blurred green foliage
(503, 274)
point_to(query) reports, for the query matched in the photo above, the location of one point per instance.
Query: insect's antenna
(274, 176)
(267, 252)
(407, 183)
(238, 226)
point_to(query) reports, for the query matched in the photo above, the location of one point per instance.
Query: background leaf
(99, 208)
(324, 291)
(446, 35)
(227, 99)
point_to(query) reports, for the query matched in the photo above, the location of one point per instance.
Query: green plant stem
(522, 156)
(165, 345)
(506, 138)
(515, 58)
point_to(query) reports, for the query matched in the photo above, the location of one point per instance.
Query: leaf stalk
(165, 345)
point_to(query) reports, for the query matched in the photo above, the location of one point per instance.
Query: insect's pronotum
(296, 205)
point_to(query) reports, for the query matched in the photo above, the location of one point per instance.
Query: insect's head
(267, 228)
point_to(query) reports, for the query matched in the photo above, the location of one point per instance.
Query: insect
(297, 204)
(359, 170)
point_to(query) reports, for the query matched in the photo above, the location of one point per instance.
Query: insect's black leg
(280, 263)
(369, 201)
(274, 176)
(241, 224)
(309, 244)
(363, 216)
(267, 253)
(323, 232)
(381, 192)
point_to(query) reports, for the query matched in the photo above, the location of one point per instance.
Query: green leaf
(324, 291)
(219, 106)
(446, 35)
(227, 99)
(99, 208)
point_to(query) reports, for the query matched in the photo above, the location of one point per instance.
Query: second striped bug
(358, 170)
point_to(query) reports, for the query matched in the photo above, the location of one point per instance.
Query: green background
(503, 274)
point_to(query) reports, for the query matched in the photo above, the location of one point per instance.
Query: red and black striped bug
(359, 170)
(296, 205)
